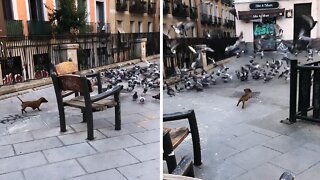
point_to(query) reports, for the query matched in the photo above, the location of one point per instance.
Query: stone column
(203, 55)
(140, 50)
(68, 52)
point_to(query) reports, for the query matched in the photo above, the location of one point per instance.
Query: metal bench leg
(62, 119)
(89, 118)
(195, 138)
(117, 110)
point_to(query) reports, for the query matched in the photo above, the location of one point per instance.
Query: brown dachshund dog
(33, 104)
(247, 95)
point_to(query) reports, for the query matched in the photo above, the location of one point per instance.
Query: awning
(120, 30)
(257, 14)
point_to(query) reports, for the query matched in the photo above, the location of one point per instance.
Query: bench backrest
(65, 68)
(70, 82)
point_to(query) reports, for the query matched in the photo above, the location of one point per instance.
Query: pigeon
(181, 28)
(156, 96)
(142, 100)
(286, 176)
(178, 89)
(170, 91)
(135, 96)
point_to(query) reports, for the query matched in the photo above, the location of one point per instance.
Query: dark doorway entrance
(300, 9)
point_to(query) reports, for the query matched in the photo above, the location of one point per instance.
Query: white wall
(285, 23)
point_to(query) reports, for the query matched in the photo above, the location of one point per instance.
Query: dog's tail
(20, 99)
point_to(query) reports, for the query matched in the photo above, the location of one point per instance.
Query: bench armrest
(105, 94)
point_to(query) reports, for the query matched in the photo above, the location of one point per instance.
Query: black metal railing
(122, 5)
(166, 7)
(219, 22)
(151, 8)
(215, 20)
(138, 7)
(39, 28)
(304, 92)
(95, 50)
(209, 20)
(204, 19)
(193, 13)
(180, 10)
(14, 28)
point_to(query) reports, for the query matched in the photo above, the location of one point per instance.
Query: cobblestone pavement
(250, 143)
(32, 146)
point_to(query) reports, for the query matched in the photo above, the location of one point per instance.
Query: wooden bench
(173, 137)
(65, 84)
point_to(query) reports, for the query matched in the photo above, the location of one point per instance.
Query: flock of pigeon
(145, 77)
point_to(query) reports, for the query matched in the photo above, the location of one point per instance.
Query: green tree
(69, 17)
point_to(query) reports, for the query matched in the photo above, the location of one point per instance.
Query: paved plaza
(32, 146)
(250, 143)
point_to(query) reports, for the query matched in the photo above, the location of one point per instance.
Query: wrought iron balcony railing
(193, 13)
(219, 21)
(166, 7)
(138, 7)
(210, 20)
(180, 10)
(39, 28)
(151, 8)
(215, 20)
(14, 28)
(204, 19)
(122, 5)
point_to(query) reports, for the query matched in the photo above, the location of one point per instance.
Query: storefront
(260, 19)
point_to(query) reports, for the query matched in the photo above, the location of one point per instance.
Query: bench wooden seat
(177, 135)
(79, 102)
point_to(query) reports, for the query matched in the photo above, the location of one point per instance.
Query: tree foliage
(68, 17)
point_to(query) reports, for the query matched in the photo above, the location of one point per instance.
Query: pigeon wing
(192, 49)
(188, 25)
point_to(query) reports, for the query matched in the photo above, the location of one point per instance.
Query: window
(140, 26)
(7, 9)
(150, 28)
(132, 30)
(36, 10)
(119, 24)
(57, 4)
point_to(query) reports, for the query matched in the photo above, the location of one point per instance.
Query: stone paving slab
(6, 151)
(125, 130)
(16, 163)
(310, 174)
(248, 141)
(68, 152)
(12, 176)
(145, 152)
(147, 136)
(107, 160)
(108, 174)
(297, 160)
(15, 138)
(284, 143)
(79, 137)
(56, 171)
(37, 145)
(50, 132)
(115, 143)
(264, 172)
(147, 171)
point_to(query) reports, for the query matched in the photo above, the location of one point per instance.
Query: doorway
(300, 9)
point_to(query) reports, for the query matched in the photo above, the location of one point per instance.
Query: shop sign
(265, 5)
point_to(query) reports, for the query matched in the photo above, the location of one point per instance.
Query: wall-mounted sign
(265, 5)
(289, 13)
(257, 14)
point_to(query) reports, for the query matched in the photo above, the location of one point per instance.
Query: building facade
(30, 17)
(256, 18)
(134, 16)
(215, 19)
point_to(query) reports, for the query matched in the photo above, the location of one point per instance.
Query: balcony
(225, 23)
(151, 8)
(138, 7)
(193, 13)
(39, 28)
(180, 10)
(226, 2)
(166, 8)
(215, 20)
(231, 23)
(219, 21)
(122, 5)
(14, 28)
(204, 19)
(210, 20)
